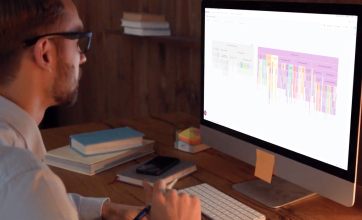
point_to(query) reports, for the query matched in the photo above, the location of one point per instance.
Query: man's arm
(30, 190)
(35, 193)
(88, 208)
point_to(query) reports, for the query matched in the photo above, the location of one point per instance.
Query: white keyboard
(219, 206)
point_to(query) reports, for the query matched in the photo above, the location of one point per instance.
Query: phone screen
(158, 165)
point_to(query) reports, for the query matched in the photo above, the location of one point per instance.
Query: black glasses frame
(67, 35)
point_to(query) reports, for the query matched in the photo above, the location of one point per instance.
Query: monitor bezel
(320, 8)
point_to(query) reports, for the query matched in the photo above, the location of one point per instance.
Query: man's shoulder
(15, 161)
(8, 135)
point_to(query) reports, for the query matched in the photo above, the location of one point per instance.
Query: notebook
(179, 171)
(68, 159)
(106, 141)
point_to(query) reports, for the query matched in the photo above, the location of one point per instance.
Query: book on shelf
(68, 159)
(179, 171)
(147, 32)
(145, 24)
(143, 17)
(106, 141)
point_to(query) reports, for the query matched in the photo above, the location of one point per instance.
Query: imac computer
(284, 78)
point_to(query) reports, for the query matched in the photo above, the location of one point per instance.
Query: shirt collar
(24, 124)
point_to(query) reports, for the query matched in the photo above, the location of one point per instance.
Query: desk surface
(215, 168)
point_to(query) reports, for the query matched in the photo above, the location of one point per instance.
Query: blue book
(107, 141)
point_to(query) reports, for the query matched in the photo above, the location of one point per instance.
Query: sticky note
(264, 167)
(190, 136)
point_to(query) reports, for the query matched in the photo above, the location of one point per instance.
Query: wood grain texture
(214, 168)
(129, 76)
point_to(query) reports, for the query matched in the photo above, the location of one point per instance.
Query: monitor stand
(279, 193)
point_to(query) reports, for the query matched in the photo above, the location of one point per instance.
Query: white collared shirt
(28, 188)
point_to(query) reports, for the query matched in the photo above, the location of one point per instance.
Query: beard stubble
(65, 85)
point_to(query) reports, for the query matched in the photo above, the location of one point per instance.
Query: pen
(147, 209)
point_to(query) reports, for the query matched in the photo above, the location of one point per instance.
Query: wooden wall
(129, 75)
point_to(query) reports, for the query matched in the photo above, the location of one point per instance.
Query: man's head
(49, 65)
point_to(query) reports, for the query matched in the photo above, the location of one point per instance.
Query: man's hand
(171, 205)
(113, 211)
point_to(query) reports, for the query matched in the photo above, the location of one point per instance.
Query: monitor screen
(284, 78)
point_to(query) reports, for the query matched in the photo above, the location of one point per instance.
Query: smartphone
(157, 165)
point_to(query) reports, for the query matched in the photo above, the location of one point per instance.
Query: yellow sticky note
(190, 136)
(264, 167)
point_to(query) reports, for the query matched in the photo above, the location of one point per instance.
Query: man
(39, 69)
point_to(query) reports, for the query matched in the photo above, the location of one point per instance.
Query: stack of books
(145, 24)
(91, 153)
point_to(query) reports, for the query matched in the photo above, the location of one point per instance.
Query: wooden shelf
(169, 40)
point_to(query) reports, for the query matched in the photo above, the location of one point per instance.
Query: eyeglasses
(84, 39)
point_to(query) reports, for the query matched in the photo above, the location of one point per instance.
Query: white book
(145, 24)
(147, 32)
(67, 158)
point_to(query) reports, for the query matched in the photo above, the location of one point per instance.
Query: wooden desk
(215, 168)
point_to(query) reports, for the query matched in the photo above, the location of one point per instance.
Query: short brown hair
(21, 20)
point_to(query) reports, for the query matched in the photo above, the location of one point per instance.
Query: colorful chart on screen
(233, 58)
(298, 78)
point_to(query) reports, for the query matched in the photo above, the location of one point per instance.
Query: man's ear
(44, 53)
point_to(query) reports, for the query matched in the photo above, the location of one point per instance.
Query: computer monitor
(285, 78)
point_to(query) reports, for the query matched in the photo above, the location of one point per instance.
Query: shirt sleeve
(88, 208)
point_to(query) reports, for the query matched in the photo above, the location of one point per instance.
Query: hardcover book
(107, 141)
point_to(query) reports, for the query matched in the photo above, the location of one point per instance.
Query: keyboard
(218, 206)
